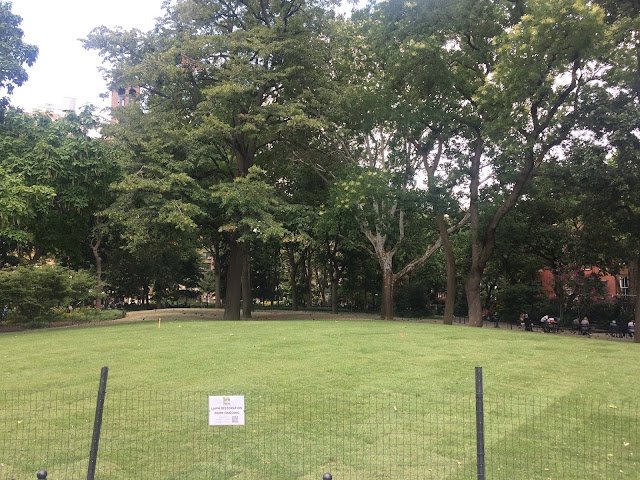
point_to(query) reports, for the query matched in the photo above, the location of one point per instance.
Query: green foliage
(20, 206)
(56, 176)
(14, 52)
(208, 282)
(250, 205)
(32, 291)
(350, 115)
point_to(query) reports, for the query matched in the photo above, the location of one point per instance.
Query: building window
(624, 285)
(132, 95)
(121, 97)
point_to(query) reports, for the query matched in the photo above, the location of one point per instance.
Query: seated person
(631, 328)
(528, 324)
(575, 325)
(613, 328)
(584, 326)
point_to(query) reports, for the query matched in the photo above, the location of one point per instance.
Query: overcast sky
(63, 68)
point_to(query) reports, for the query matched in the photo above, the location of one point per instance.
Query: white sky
(64, 69)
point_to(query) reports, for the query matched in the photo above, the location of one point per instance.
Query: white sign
(226, 410)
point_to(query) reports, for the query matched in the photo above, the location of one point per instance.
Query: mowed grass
(355, 396)
(342, 355)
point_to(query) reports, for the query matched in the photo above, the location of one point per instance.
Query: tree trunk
(334, 295)
(247, 298)
(96, 255)
(234, 280)
(308, 280)
(293, 274)
(474, 300)
(386, 309)
(217, 270)
(452, 281)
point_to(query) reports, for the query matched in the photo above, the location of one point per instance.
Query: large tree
(414, 91)
(62, 157)
(610, 156)
(518, 72)
(234, 78)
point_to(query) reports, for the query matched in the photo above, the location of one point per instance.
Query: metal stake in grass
(159, 320)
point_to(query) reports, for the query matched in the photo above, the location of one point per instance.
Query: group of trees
(413, 147)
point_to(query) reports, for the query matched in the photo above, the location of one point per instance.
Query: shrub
(34, 291)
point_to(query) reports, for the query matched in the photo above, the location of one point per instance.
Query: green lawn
(367, 398)
(316, 356)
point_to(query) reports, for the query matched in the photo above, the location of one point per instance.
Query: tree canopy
(314, 158)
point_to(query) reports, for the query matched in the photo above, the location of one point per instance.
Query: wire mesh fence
(166, 435)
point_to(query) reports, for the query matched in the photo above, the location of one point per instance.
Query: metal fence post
(480, 423)
(97, 424)
(327, 476)
(41, 474)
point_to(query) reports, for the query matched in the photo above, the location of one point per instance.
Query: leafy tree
(20, 205)
(233, 78)
(415, 92)
(517, 71)
(67, 170)
(379, 201)
(14, 53)
(249, 205)
(613, 116)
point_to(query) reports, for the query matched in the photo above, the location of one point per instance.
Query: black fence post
(327, 476)
(41, 474)
(97, 424)
(480, 423)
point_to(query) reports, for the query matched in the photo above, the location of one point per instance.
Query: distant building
(616, 286)
(123, 96)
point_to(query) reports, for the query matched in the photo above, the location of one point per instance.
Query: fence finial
(41, 474)
(327, 476)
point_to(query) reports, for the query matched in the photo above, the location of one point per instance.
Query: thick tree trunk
(474, 300)
(234, 281)
(334, 295)
(247, 298)
(452, 281)
(387, 294)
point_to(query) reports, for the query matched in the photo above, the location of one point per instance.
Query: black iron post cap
(41, 474)
(327, 476)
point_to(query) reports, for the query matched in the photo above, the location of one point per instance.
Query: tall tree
(520, 66)
(76, 166)
(610, 157)
(235, 78)
(416, 86)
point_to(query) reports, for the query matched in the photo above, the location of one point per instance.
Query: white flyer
(226, 410)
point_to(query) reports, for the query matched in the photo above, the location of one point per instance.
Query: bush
(32, 292)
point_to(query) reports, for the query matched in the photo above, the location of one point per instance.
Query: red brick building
(615, 286)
